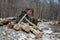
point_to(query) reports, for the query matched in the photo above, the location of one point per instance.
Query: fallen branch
(29, 21)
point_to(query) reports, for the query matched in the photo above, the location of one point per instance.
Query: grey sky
(56, 1)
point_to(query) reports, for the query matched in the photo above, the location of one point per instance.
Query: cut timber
(1, 24)
(20, 21)
(38, 35)
(55, 23)
(26, 28)
(34, 27)
(59, 23)
(10, 25)
(11, 18)
(43, 20)
(17, 28)
(4, 21)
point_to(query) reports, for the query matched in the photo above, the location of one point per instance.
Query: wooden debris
(34, 27)
(26, 28)
(1, 24)
(10, 25)
(43, 20)
(55, 23)
(6, 22)
(11, 18)
(59, 23)
(38, 35)
(17, 28)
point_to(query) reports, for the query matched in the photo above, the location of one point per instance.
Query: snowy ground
(10, 34)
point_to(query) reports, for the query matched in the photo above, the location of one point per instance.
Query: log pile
(36, 33)
(26, 28)
(22, 27)
(5, 21)
(10, 25)
(55, 23)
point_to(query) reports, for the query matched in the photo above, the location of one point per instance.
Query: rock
(32, 35)
(3, 32)
(49, 31)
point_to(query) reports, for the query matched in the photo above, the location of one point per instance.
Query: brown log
(1, 24)
(34, 27)
(17, 28)
(10, 25)
(26, 28)
(55, 23)
(38, 35)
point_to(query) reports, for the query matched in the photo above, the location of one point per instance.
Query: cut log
(34, 27)
(38, 35)
(17, 28)
(1, 24)
(6, 22)
(11, 18)
(26, 28)
(58, 23)
(20, 20)
(43, 20)
(10, 25)
(55, 23)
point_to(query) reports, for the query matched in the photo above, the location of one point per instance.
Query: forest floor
(10, 34)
